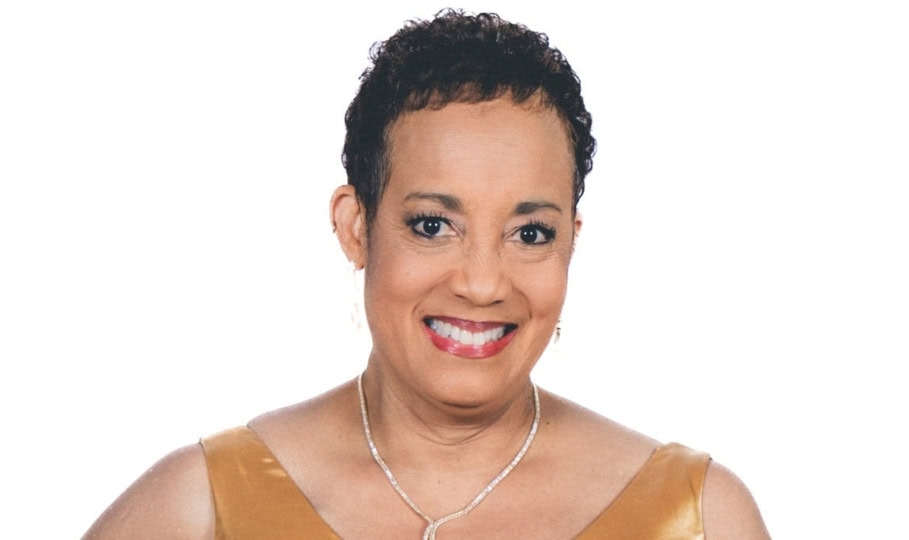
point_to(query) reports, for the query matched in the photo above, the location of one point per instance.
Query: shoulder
(599, 436)
(322, 419)
(172, 499)
(728, 507)
(729, 510)
(600, 455)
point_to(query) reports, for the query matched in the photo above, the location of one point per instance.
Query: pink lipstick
(468, 339)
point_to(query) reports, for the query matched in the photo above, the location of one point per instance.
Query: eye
(429, 226)
(536, 234)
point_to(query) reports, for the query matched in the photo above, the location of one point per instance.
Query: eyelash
(535, 225)
(416, 220)
(548, 232)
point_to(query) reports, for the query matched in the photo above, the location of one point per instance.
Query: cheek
(544, 286)
(395, 276)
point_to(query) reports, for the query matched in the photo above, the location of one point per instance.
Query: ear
(578, 222)
(349, 223)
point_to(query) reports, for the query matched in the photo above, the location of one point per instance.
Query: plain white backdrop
(167, 267)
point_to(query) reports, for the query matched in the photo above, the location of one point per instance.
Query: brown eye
(430, 226)
(529, 235)
(535, 234)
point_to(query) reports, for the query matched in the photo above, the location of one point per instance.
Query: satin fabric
(255, 498)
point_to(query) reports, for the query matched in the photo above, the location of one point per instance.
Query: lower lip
(469, 351)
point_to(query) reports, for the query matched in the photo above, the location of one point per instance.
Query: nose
(482, 277)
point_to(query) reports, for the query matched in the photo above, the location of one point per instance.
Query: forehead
(486, 145)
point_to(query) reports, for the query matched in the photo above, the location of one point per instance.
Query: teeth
(466, 337)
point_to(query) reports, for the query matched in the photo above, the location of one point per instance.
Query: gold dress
(255, 498)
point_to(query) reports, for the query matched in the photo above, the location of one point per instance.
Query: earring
(355, 317)
(558, 332)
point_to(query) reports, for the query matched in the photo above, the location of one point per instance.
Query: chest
(255, 497)
(510, 511)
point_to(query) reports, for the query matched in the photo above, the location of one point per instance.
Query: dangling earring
(558, 332)
(355, 316)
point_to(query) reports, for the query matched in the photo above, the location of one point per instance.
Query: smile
(468, 339)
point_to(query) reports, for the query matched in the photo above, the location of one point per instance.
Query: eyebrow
(450, 203)
(453, 204)
(529, 207)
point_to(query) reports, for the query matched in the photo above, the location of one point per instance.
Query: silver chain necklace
(429, 533)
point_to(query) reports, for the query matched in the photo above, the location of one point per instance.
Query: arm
(729, 508)
(171, 500)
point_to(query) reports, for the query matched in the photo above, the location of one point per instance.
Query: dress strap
(662, 501)
(253, 495)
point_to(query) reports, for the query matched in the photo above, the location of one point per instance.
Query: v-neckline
(604, 514)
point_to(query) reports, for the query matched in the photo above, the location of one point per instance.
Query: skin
(476, 224)
(484, 174)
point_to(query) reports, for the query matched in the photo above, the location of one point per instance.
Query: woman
(467, 148)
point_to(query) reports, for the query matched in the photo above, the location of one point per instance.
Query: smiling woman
(470, 236)
(467, 148)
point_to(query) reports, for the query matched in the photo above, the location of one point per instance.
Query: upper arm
(171, 500)
(729, 508)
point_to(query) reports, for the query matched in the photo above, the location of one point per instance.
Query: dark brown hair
(457, 57)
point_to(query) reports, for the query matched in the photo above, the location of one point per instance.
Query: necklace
(429, 533)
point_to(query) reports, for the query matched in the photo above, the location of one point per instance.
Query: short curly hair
(457, 57)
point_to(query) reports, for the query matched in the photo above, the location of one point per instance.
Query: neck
(433, 523)
(416, 433)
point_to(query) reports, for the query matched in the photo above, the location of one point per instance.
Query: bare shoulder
(607, 455)
(729, 509)
(598, 435)
(313, 419)
(171, 500)
(599, 454)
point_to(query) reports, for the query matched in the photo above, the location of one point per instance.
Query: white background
(167, 267)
